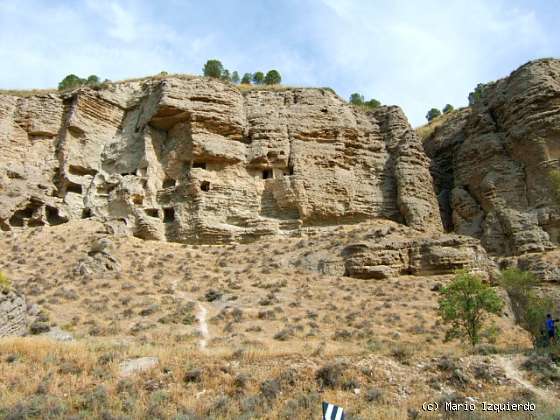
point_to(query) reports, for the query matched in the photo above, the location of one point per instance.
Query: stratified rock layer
(492, 162)
(13, 313)
(195, 160)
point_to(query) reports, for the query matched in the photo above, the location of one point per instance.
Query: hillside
(180, 248)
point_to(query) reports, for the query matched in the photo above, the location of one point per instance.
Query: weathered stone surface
(492, 162)
(395, 256)
(13, 313)
(195, 160)
(140, 364)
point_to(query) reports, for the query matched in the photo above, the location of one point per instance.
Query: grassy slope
(276, 320)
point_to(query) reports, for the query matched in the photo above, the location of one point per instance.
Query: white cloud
(414, 54)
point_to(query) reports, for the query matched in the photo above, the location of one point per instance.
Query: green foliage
(433, 113)
(258, 78)
(235, 77)
(272, 78)
(72, 81)
(464, 304)
(213, 68)
(448, 108)
(5, 283)
(246, 79)
(226, 76)
(554, 176)
(476, 94)
(356, 99)
(529, 309)
(372, 103)
(93, 80)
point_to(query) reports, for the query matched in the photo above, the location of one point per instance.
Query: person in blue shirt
(551, 328)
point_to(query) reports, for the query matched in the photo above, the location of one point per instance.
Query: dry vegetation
(426, 130)
(282, 336)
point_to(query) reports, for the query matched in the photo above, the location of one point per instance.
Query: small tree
(226, 76)
(475, 95)
(554, 176)
(356, 99)
(464, 304)
(92, 80)
(529, 309)
(433, 113)
(235, 77)
(213, 68)
(272, 78)
(70, 82)
(372, 103)
(448, 108)
(258, 78)
(246, 79)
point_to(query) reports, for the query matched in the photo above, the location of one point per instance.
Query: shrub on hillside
(433, 113)
(72, 81)
(272, 78)
(465, 303)
(246, 79)
(258, 78)
(528, 308)
(448, 108)
(213, 68)
(356, 99)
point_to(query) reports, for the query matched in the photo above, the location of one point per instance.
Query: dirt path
(513, 373)
(202, 325)
(201, 315)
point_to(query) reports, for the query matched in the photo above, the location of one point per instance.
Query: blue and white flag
(332, 412)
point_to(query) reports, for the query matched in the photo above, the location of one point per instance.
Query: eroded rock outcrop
(392, 256)
(195, 160)
(491, 163)
(13, 313)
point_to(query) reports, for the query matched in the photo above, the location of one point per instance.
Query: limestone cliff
(196, 160)
(491, 162)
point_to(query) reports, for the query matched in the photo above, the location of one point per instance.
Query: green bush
(528, 308)
(258, 78)
(476, 94)
(213, 68)
(554, 176)
(72, 81)
(272, 78)
(448, 108)
(464, 304)
(246, 79)
(356, 99)
(433, 113)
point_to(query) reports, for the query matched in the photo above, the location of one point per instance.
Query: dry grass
(269, 312)
(425, 131)
(26, 93)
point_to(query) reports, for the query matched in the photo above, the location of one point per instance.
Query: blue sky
(416, 54)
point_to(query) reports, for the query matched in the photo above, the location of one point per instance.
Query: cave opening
(168, 215)
(169, 183)
(152, 212)
(73, 188)
(201, 165)
(267, 173)
(205, 186)
(53, 217)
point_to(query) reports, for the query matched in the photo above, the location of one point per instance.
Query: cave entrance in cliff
(168, 215)
(205, 186)
(152, 212)
(201, 165)
(86, 213)
(267, 174)
(169, 182)
(74, 188)
(53, 217)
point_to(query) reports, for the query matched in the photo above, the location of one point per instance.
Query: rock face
(195, 160)
(392, 257)
(492, 162)
(13, 313)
